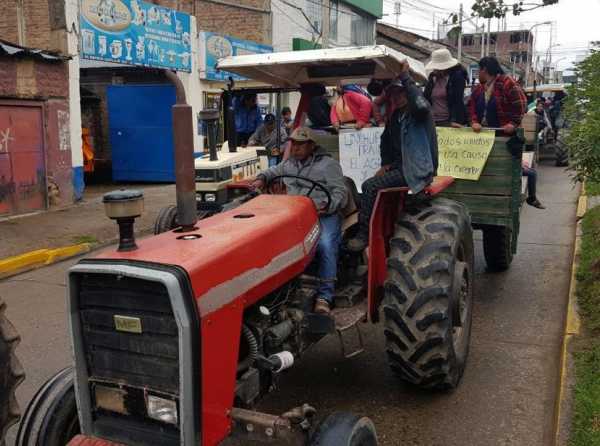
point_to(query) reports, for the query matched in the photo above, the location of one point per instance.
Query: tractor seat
(353, 203)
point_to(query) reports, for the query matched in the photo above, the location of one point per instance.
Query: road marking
(572, 320)
(41, 257)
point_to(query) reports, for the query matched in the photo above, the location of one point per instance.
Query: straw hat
(441, 60)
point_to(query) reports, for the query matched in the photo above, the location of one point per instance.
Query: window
(467, 41)
(515, 57)
(363, 30)
(314, 12)
(334, 11)
(522, 36)
(493, 38)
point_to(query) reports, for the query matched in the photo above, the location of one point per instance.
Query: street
(507, 396)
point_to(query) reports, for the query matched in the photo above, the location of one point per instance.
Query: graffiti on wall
(63, 130)
(5, 138)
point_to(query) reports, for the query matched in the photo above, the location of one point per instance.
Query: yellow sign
(463, 153)
(128, 323)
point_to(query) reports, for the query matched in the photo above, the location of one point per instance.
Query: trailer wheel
(11, 374)
(562, 154)
(166, 220)
(51, 417)
(497, 247)
(345, 429)
(428, 299)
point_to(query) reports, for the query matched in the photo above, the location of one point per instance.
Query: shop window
(468, 41)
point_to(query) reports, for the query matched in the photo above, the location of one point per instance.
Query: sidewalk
(83, 222)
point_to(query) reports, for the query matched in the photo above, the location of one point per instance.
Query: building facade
(514, 49)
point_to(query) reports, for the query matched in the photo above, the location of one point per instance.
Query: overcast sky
(575, 23)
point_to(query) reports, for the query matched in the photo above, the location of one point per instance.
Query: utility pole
(489, 36)
(325, 21)
(397, 12)
(460, 33)
(483, 40)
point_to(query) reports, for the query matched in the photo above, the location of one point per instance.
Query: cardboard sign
(359, 153)
(463, 153)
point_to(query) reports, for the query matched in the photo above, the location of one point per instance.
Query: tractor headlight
(161, 409)
(210, 197)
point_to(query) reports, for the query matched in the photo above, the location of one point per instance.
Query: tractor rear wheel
(345, 429)
(166, 220)
(11, 374)
(497, 247)
(51, 417)
(428, 299)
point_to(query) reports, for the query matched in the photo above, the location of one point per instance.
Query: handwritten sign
(463, 153)
(359, 153)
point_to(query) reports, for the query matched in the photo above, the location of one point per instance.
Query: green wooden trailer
(494, 203)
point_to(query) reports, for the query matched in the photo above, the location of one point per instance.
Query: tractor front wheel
(51, 417)
(166, 220)
(11, 374)
(497, 247)
(428, 299)
(345, 429)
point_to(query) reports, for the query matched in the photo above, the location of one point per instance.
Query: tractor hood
(246, 252)
(348, 65)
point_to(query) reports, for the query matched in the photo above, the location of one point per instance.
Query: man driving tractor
(325, 186)
(409, 150)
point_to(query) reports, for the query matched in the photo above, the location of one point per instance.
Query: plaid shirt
(511, 102)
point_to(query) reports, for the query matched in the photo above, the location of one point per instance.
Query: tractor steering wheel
(315, 185)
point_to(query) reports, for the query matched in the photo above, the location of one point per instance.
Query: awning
(328, 66)
(11, 49)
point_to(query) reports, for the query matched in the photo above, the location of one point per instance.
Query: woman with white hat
(445, 89)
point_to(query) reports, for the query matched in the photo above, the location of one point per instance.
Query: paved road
(508, 392)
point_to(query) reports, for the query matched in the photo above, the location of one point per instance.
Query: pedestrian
(266, 136)
(318, 107)
(498, 101)
(445, 89)
(352, 106)
(288, 121)
(247, 117)
(311, 161)
(388, 97)
(409, 152)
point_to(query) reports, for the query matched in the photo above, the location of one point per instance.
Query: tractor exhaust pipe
(183, 144)
(231, 133)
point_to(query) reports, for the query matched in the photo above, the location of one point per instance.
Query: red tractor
(176, 337)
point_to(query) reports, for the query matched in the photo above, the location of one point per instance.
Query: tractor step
(346, 319)
(350, 296)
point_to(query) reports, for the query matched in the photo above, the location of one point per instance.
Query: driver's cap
(302, 134)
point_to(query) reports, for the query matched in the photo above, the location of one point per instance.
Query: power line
(311, 31)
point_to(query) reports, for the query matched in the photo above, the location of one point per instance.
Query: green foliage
(582, 113)
(585, 429)
(490, 9)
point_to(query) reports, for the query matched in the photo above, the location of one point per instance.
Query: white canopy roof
(328, 66)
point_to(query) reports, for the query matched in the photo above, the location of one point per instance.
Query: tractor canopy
(290, 70)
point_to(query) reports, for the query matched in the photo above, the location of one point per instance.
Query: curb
(41, 257)
(572, 321)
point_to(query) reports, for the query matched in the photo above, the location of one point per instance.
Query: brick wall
(36, 22)
(32, 79)
(234, 21)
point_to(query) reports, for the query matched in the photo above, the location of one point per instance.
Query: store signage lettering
(135, 32)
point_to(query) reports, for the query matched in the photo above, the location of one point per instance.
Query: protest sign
(359, 153)
(463, 153)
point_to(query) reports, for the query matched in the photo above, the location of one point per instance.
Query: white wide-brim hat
(440, 60)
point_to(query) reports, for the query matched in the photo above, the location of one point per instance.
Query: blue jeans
(327, 254)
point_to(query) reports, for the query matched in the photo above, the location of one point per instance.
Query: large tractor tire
(429, 294)
(345, 429)
(11, 374)
(497, 247)
(561, 153)
(51, 417)
(166, 220)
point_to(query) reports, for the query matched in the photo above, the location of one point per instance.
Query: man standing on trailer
(409, 151)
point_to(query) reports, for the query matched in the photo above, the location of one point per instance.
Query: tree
(490, 9)
(582, 113)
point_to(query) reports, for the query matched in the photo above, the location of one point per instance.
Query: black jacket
(455, 91)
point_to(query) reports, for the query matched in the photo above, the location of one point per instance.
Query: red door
(22, 166)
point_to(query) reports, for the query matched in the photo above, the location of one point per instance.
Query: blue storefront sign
(135, 32)
(215, 46)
